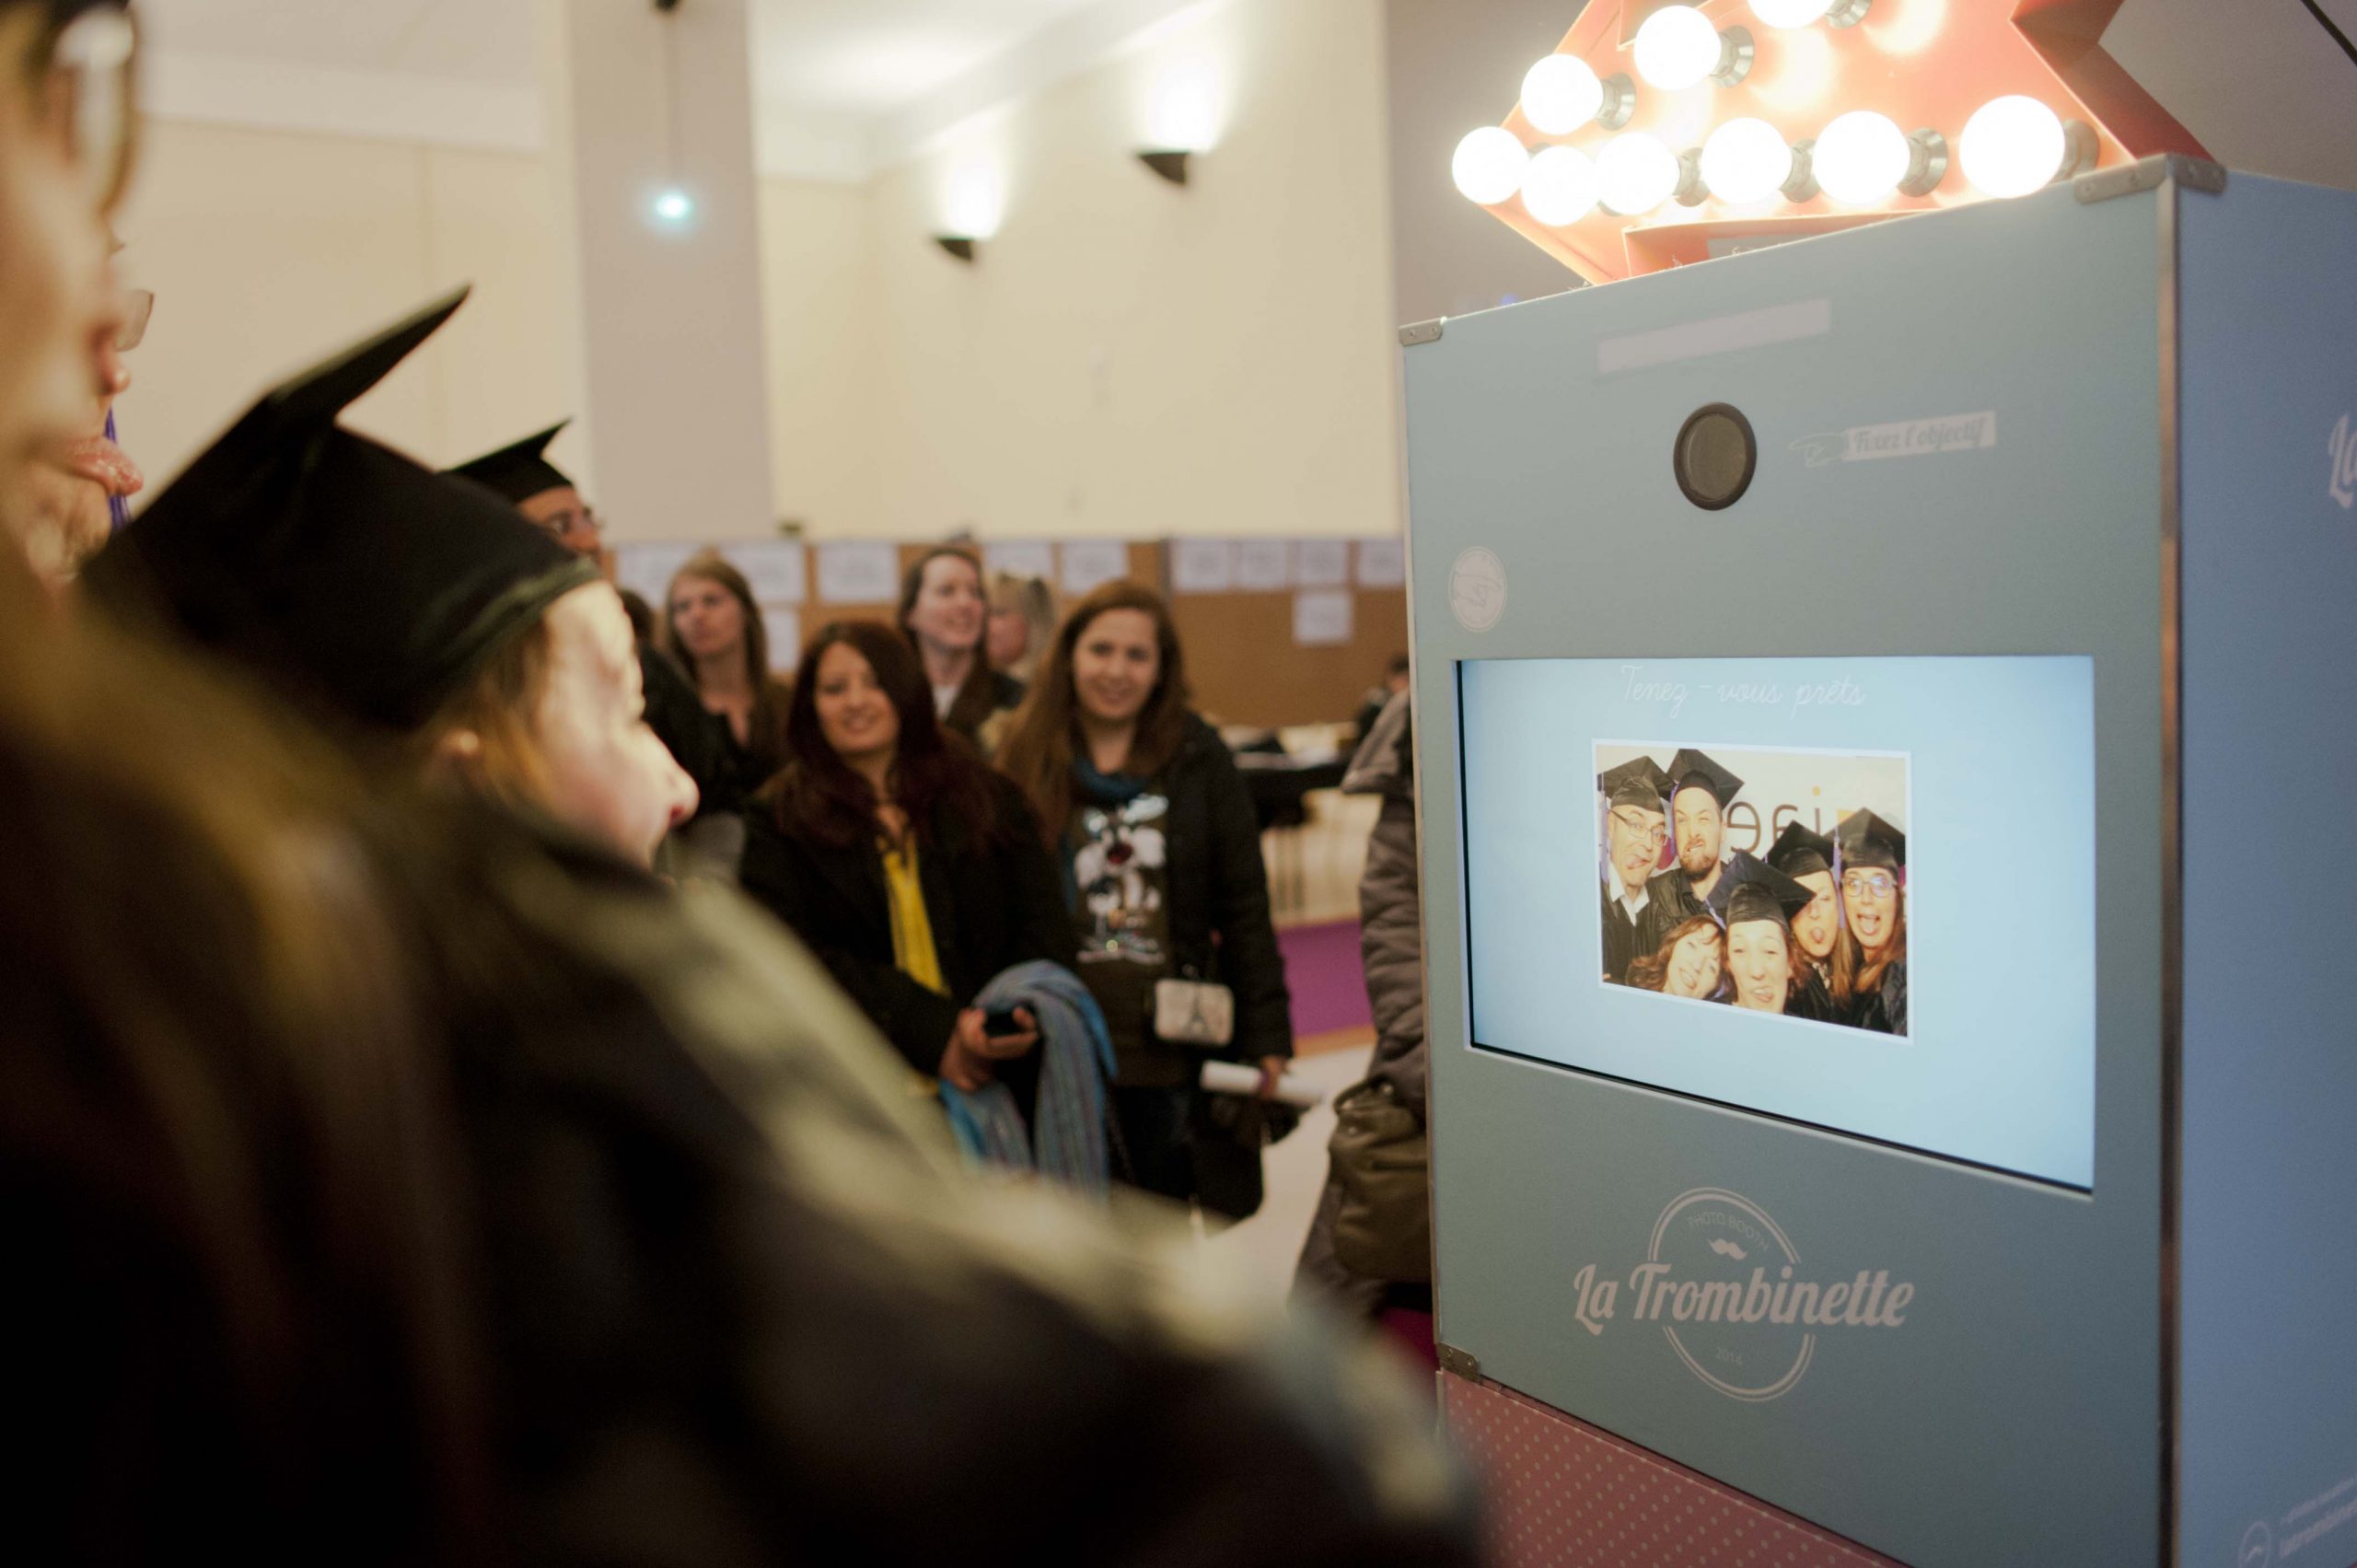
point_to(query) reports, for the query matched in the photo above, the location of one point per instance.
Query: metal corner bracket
(1422, 333)
(1460, 1362)
(2150, 174)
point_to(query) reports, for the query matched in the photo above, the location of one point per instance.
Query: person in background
(1378, 698)
(1869, 979)
(522, 475)
(1022, 623)
(918, 877)
(1691, 962)
(943, 614)
(1149, 814)
(1391, 952)
(1808, 858)
(713, 625)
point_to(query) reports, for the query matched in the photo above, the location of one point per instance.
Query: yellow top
(912, 952)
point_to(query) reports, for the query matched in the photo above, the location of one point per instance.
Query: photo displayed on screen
(1857, 894)
(1771, 882)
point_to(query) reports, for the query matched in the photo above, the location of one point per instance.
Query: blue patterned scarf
(1075, 1065)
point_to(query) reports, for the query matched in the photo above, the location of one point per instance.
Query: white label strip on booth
(774, 567)
(1022, 558)
(858, 572)
(1321, 618)
(1720, 335)
(1089, 561)
(1383, 562)
(1321, 564)
(1202, 565)
(1263, 565)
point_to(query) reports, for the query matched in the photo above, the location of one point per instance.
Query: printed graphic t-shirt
(1119, 872)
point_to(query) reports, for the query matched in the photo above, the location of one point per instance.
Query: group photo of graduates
(1814, 928)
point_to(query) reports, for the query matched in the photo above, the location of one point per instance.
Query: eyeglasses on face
(1858, 884)
(90, 69)
(1644, 833)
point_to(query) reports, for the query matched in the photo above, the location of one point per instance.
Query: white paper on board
(1321, 564)
(1264, 566)
(1202, 565)
(1021, 558)
(783, 625)
(1383, 562)
(774, 567)
(858, 572)
(647, 569)
(1089, 561)
(1321, 618)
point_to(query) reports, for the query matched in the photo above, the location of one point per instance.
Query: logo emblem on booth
(1728, 1290)
(1476, 589)
(2344, 463)
(2257, 1547)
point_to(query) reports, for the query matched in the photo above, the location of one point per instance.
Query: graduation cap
(1867, 840)
(1768, 894)
(1638, 782)
(1690, 769)
(1797, 852)
(520, 471)
(335, 566)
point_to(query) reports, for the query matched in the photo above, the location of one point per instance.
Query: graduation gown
(1740, 868)
(1667, 901)
(1884, 1011)
(1814, 1000)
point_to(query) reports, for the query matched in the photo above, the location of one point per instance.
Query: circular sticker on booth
(1476, 589)
(1721, 1245)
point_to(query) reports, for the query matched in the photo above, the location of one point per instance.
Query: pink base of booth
(1561, 1492)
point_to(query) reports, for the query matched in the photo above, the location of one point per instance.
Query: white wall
(1127, 358)
(1131, 358)
(268, 251)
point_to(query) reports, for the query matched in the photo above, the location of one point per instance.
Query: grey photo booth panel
(2042, 1400)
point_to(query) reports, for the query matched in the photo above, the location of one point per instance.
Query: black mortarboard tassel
(1865, 839)
(343, 572)
(1638, 782)
(520, 471)
(1797, 852)
(1768, 895)
(1690, 769)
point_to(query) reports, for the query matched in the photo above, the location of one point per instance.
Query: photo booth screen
(1853, 893)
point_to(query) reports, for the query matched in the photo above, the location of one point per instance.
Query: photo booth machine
(2055, 499)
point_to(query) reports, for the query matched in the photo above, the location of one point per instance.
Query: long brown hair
(973, 702)
(223, 1095)
(765, 726)
(935, 776)
(498, 708)
(1039, 751)
(1651, 971)
(1850, 975)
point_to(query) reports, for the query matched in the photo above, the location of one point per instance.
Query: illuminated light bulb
(1636, 173)
(2014, 146)
(977, 201)
(1861, 158)
(1560, 188)
(673, 208)
(1561, 94)
(1677, 47)
(1746, 161)
(1489, 165)
(1184, 114)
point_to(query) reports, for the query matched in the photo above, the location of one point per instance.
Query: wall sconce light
(1182, 121)
(959, 245)
(972, 207)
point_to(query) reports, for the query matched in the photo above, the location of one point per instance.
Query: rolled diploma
(1235, 1078)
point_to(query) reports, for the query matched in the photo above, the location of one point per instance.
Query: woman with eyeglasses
(1869, 979)
(713, 627)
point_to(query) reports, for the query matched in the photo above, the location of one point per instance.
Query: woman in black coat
(915, 872)
(1158, 831)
